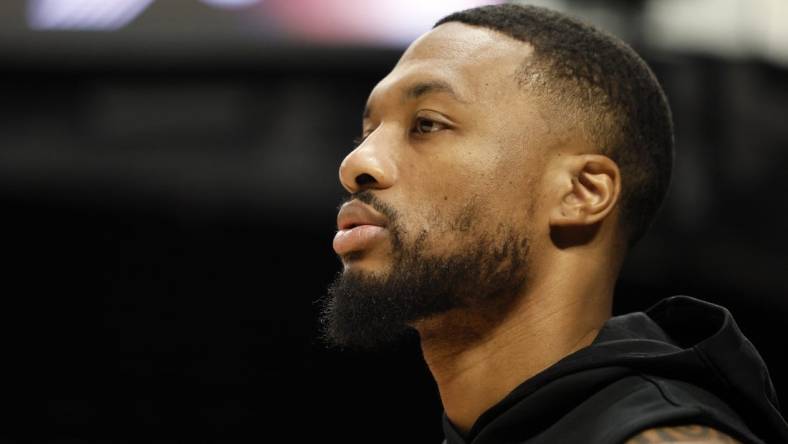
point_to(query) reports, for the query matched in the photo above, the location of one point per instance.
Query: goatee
(363, 310)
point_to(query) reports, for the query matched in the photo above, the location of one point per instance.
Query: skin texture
(684, 434)
(449, 133)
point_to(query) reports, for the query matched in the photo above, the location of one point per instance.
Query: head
(504, 137)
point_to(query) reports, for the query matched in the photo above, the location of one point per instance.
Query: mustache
(376, 203)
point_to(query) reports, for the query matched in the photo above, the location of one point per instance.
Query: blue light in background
(79, 15)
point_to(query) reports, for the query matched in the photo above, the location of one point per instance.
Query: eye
(424, 125)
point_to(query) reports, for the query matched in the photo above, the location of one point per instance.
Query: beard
(364, 310)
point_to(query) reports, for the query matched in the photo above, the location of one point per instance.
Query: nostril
(364, 179)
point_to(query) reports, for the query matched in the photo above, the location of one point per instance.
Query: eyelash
(359, 140)
(424, 119)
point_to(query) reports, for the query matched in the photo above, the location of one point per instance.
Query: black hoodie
(683, 361)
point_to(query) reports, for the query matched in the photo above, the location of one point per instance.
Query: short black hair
(604, 89)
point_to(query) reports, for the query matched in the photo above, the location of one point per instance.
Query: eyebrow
(421, 89)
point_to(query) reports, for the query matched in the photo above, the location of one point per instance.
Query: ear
(589, 187)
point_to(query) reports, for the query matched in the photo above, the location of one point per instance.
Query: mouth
(359, 228)
(357, 237)
(351, 225)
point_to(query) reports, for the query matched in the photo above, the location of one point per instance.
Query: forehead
(474, 61)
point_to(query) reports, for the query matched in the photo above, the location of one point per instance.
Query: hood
(680, 338)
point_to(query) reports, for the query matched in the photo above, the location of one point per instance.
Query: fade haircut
(595, 84)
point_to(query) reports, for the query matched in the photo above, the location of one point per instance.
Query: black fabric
(683, 361)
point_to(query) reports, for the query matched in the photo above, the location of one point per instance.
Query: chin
(359, 260)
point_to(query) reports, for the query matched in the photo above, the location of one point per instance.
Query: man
(507, 164)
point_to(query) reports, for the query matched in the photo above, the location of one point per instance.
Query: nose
(369, 166)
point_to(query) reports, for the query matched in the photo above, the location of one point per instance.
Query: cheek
(450, 185)
(458, 188)
(444, 226)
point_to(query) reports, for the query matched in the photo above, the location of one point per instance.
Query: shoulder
(687, 434)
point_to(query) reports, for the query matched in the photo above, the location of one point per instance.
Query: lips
(355, 213)
(359, 227)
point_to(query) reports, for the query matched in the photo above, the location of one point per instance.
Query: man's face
(444, 189)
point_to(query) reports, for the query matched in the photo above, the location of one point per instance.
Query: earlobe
(590, 185)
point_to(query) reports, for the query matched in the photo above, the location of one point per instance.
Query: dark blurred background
(168, 185)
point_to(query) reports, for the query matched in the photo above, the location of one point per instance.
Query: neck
(477, 359)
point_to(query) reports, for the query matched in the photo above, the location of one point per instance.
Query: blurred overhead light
(91, 15)
(389, 22)
(730, 28)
